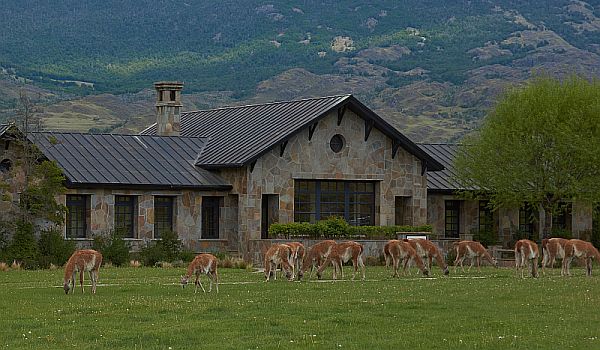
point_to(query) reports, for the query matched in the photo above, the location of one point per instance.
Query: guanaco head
(67, 287)
(184, 281)
(495, 262)
(426, 272)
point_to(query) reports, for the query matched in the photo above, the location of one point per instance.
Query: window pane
(124, 215)
(76, 220)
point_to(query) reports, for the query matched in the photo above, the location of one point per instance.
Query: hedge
(338, 228)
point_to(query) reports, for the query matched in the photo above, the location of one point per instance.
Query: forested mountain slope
(431, 67)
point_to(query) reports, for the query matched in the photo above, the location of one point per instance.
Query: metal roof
(239, 135)
(4, 128)
(445, 154)
(130, 161)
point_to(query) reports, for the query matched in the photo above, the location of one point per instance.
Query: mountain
(433, 68)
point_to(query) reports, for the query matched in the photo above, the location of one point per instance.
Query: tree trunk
(547, 224)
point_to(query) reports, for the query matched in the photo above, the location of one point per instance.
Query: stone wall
(302, 158)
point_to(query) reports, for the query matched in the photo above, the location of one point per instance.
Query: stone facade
(302, 158)
(506, 220)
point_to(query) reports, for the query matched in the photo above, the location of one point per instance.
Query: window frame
(487, 214)
(210, 223)
(452, 211)
(80, 215)
(129, 231)
(161, 226)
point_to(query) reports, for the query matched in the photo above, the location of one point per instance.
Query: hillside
(431, 67)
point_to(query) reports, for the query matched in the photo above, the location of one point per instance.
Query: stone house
(452, 216)
(220, 177)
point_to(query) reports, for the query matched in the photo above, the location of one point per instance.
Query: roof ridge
(265, 104)
(111, 134)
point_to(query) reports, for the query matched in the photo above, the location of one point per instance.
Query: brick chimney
(168, 108)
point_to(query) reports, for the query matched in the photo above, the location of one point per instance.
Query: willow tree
(540, 145)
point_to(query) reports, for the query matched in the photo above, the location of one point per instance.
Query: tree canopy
(540, 145)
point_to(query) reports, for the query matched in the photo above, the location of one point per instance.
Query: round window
(337, 143)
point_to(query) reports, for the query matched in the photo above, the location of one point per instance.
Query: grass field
(145, 308)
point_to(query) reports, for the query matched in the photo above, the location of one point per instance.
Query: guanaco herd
(295, 261)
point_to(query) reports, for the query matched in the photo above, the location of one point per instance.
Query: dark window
(337, 143)
(526, 220)
(163, 215)
(173, 95)
(210, 217)
(561, 219)
(6, 145)
(402, 210)
(452, 215)
(5, 166)
(269, 213)
(486, 217)
(77, 215)
(317, 200)
(125, 215)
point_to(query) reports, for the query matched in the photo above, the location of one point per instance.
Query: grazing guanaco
(552, 249)
(202, 264)
(342, 253)
(576, 248)
(82, 261)
(474, 251)
(316, 256)
(279, 254)
(427, 250)
(526, 253)
(397, 250)
(297, 256)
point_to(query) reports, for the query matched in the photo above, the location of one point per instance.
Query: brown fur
(341, 253)
(552, 249)
(474, 251)
(279, 254)
(298, 252)
(576, 248)
(427, 250)
(401, 250)
(82, 261)
(202, 264)
(315, 257)
(526, 253)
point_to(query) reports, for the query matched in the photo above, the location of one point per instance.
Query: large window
(402, 209)
(125, 215)
(77, 215)
(486, 217)
(526, 220)
(317, 200)
(561, 219)
(163, 215)
(452, 218)
(210, 217)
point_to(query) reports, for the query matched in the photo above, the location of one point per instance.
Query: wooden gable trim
(369, 123)
(340, 115)
(311, 130)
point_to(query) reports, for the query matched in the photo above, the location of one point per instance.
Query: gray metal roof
(443, 180)
(4, 128)
(239, 135)
(130, 161)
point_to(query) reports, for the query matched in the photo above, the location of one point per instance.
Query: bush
(338, 228)
(168, 249)
(54, 249)
(113, 248)
(561, 233)
(23, 247)
(485, 237)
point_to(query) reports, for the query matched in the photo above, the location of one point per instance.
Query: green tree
(539, 145)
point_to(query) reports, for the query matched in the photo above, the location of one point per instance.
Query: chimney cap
(168, 85)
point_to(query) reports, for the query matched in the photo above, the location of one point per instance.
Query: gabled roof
(240, 135)
(132, 161)
(4, 128)
(443, 181)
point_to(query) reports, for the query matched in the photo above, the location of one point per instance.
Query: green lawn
(145, 308)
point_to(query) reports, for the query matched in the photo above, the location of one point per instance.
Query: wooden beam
(282, 146)
(395, 147)
(368, 127)
(423, 167)
(252, 166)
(341, 112)
(311, 130)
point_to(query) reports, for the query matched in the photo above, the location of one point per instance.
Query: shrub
(485, 237)
(24, 248)
(168, 249)
(561, 233)
(114, 249)
(54, 249)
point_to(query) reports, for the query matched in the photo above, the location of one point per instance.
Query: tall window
(125, 215)
(77, 212)
(210, 217)
(526, 220)
(402, 212)
(163, 215)
(486, 217)
(452, 215)
(560, 219)
(317, 200)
